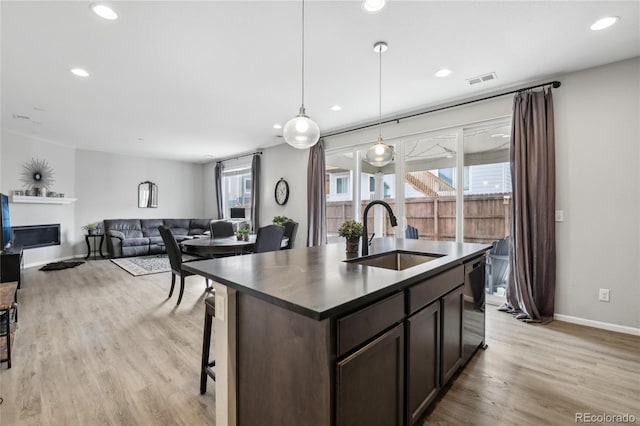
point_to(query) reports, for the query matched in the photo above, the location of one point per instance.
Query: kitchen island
(305, 336)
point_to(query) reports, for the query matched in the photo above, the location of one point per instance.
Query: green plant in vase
(280, 220)
(91, 228)
(244, 233)
(352, 231)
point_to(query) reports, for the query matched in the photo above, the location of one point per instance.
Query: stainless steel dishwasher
(473, 315)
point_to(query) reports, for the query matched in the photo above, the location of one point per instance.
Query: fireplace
(33, 236)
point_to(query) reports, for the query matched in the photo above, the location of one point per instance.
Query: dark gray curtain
(255, 193)
(316, 198)
(532, 276)
(219, 194)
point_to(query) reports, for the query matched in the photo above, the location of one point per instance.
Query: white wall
(598, 186)
(18, 150)
(283, 161)
(107, 188)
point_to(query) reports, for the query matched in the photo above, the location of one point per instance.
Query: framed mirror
(147, 195)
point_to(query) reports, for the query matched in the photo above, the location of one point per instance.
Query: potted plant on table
(244, 233)
(352, 231)
(280, 220)
(92, 228)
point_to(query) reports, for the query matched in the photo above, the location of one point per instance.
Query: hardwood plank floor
(97, 346)
(543, 375)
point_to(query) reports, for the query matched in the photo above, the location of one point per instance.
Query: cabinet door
(11, 266)
(452, 305)
(370, 383)
(423, 360)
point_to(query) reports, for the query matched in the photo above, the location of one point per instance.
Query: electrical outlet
(603, 295)
(559, 215)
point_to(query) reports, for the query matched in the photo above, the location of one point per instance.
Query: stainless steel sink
(397, 260)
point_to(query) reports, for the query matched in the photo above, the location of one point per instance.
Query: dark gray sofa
(138, 237)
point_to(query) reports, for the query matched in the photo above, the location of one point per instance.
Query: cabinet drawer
(422, 294)
(366, 323)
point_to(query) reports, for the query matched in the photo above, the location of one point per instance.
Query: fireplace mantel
(24, 199)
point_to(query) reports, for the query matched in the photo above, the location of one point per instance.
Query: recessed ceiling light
(79, 72)
(277, 126)
(336, 108)
(443, 73)
(603, 23)
(506, 136)
(373, 6)
(497, 135)
(104, 11)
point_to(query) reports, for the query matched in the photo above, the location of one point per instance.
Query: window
(451, 184)
(342, 185)
(236, 185)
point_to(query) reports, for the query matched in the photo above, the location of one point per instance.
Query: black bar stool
(207, 365)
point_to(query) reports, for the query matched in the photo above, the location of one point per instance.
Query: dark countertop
(315, 281)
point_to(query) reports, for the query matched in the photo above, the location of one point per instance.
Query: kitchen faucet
(392, 218)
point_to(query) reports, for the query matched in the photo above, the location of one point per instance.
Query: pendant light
(380, 154)
(301, 132)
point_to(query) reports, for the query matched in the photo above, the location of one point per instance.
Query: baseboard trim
(598, 324)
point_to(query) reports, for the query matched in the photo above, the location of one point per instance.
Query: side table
(97, 246)
(8, 301)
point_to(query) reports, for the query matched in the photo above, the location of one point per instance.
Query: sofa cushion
(155, 240)
(131, 228)
(198, 226)
(115, 234)
(131, 242)
(150, 227)
(177, 226)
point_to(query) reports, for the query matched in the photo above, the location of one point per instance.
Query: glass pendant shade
(380, 154)
(301, 132)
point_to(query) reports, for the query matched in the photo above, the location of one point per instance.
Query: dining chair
(411, 233)
(221, 229)
(269, 238)
(498, 265)
(290, 231)
(175, 259)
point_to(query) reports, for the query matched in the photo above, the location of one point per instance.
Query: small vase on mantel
(353, 244)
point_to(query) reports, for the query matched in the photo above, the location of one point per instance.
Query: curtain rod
(555, 85)
(239, 156)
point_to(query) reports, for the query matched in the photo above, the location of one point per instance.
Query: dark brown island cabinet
(314, 340)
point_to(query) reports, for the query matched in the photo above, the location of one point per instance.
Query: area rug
(145, 265)
(56, 266)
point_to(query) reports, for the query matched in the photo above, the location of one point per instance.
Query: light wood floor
(98, 346)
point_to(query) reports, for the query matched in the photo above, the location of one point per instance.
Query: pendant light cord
(380, 96)
(302, 53)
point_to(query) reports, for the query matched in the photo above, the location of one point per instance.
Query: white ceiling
(200, 80)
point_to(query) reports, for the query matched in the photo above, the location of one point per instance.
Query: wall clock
(282, 192)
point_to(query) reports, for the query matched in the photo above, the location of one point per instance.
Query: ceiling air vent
(21, 117)
(482, 78)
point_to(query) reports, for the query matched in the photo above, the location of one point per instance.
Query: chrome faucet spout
(392, 219)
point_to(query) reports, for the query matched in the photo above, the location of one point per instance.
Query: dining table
(214, 247)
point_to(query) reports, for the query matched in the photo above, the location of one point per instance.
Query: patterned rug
(145, 265)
